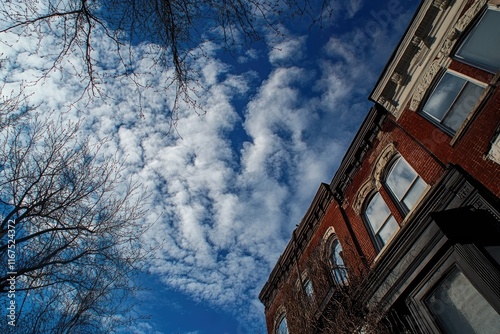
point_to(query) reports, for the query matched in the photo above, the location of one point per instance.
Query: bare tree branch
(175, 29)
(76, 225)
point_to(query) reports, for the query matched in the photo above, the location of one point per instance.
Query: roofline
(301, 236)
(395, 51)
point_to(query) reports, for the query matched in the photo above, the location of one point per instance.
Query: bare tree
(70, 228)
(176, 30)
(336, 306)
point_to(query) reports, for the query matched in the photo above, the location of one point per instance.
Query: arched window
(282, 326)
(339, 270)
(308, 288)
(382, 223)
(405, 184)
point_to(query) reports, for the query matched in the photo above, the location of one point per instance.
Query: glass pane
(283, 328)
(400, 178)
(443, 96)
(336, 250)
(339, 271)
(482, 45)
(463, 106)
(414, 193)
(460, 308)
(388, 230)
(308, 288)
(340, 275)
(377, 212)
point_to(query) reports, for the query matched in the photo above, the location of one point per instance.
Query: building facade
(406, 236)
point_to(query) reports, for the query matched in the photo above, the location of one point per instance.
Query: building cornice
(361, 144)
(423, 51)
(300, 239)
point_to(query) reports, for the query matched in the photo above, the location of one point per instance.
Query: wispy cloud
(290, 50)
(224, 214)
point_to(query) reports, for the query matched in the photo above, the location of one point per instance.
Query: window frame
(403, 208)
(453, 259)
(440, 123)
(309, 292)
(281, 319)
(378, 244)
(465, 37)
(341, 270)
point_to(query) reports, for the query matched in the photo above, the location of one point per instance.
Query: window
(481, 47)
(459, 308)
(308, 288)
(405, 184)
(459, 293)
(339, 270)
(382, 223)
(282, 326)
(451, 101)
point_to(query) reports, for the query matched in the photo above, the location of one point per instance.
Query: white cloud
(291, 50)
(250, 54)
(223, 214)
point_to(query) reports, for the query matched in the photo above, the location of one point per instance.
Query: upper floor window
(481, 47)
(308, 288)
(339, 270)
(405, 184)
(282, 326)
(381, 221)
(452, 100)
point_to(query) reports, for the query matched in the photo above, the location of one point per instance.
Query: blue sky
(227, 187)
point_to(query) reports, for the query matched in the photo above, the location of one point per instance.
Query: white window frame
(400, 201)
(377, 240)
(440, 122)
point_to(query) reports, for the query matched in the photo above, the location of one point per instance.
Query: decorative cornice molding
(441, 4)
(356, 153)
(424, 84)
(383, 159)
(418, 58)
(325, 241)
(280, 313)
(376, 177)
(363, 192)
(442, 59)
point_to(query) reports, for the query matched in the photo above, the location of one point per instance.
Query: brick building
(406, 237)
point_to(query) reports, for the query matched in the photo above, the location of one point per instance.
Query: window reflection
(406, 185)
(308, 288)
(283, 327)
(460, 308)
(481, 47)
(339, 270)
(452, 100)
(381, 220)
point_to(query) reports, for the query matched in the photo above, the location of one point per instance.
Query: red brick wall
(470, 149)
(428, 149)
